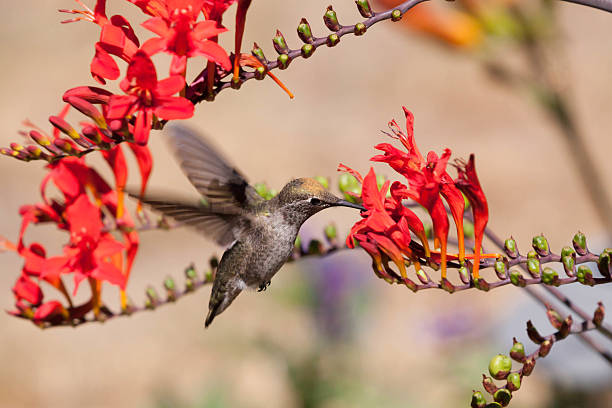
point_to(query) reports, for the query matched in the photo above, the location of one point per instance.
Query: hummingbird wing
(224, 188)
(221, 228)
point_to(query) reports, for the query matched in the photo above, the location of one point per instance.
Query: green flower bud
(517, 352)
(331, 20)
(568, 264)
(307, 50)
(209, 276)
(332, 40)
(258, 53)
(169, 283)
(481, 284)
(468, 229)
(604, 261)
(500, 366)
(396, 15)
(579, 243)
(360, 29)
(260, 73)
(298, 243)
(540, 244)
(513, 381)
(567, 251)
(516, 277)
(550, 277)
(280, 45)
(488, 384)
(364, 8)
(422, 276)
(283, 61)
(464, 274)
(584, 275)
(532, 255)
(190, 272)
(533, 265)
(304, 31)
(478, 400)
(502, 396)
(500, 268)
(330, 232)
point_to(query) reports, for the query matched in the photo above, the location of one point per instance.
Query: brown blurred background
(326, 333)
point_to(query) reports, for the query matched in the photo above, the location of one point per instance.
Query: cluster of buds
(501, 366)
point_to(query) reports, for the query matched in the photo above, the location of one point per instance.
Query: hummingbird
(260, 233)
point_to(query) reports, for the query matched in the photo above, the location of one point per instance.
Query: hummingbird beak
(344, 203)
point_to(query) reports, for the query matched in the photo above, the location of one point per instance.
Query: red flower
(148, 97)
(214, 9)
(27, 289)
(468, 183)
(116, 38)
(183, 37)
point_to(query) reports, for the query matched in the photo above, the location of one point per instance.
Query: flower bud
(565, 328)
(280, 45)
(260, 73)
(603, 263)
(67, 129)
(360, 29)
(540, 244)
(396, 15)
(510, 247)
(235, 83)
(257, 52)
(500, 268)
(569, 264)
(533, 266)
(550, 277)
(528, 366)
(567, 251)
(493, 405)
(333, 40)
(65, 146)
(283, 61)
(585, 276)
(502, 396)
(464, 274)
(37, 152)
(517, 352)
(447, 285)
(580, 244)
(152, 298)
(488, 384)
(599, 314)
(315, 247)
(307, 50)
(513, 381)
(170, 289)
(87, 109)
(304, 31)
(481, 284)
(478, 400)
(533, 333)
(213, 262)
(517, 279)
(500, 366)
(554, 317)
(420, 273)
(330, 232)
(545, 348)
(364, 8)
(331, 20)
(190, 272)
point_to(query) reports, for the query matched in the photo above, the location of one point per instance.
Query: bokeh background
(327, 333)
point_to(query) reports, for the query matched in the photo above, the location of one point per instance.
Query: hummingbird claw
(264, 286)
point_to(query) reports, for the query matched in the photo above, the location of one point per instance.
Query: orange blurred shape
(451, 26)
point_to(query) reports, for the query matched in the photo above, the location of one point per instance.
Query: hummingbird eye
(315, 201)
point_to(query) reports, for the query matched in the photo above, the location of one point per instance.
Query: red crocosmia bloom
(468, 183)
(26, 289)
(145, 164)
(48, 310)
(91, 249)
(183, 37)
(116, 38)
(147, 96)
(214, 9)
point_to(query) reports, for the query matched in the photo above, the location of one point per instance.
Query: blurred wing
(221, 228)
(223, 187)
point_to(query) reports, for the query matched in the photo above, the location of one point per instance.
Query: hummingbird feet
(264, 286)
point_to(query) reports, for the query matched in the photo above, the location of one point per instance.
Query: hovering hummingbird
(261, 232)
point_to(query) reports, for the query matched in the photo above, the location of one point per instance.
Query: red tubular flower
(27, 289)
(116, 38)
(468, 183)
(214, 9)
(183, 37)
(148, 96)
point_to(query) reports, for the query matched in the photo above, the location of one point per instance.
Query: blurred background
(327, 333)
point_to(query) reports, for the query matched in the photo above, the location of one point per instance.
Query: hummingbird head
(305, 197)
